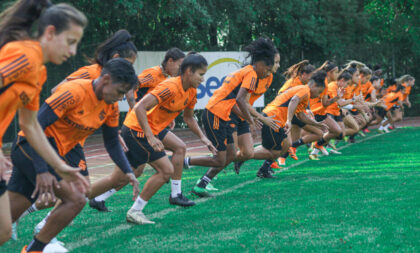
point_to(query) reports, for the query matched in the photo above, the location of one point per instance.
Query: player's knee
(168, 172)
(5, 234)
(78, 201)
(248, 154)
(181, 149)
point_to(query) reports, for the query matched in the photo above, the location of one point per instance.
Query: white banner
(220, 65)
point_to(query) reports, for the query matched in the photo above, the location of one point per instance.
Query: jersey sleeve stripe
(14, 67)
(17, 70)
(57, 100)
(62, 102)
(13, 62)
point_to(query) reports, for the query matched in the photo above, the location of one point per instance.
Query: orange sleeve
(191, 105)
(303, 95)
(146, 79)
(250, 81)
(18, 64)
(113, 116)
(65, 99)
(164, 92)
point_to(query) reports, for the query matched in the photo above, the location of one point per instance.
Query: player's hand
(5, 165)
(209, 145)
(323, 127)
(272, 123)
(340, 92)
(253, 128)
(172, 125)
(155, 143)
(258, 124)
(133, 181)
(122, 142)
(45, 183)
(72, 175)
(288, 127)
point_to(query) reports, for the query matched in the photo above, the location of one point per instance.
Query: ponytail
(119, 43)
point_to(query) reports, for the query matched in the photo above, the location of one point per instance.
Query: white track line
(161, 214)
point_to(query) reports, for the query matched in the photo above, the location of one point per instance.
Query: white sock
(104, 196)
(175, 188)
(42, 223)
(139, 204)
(388, 125)
(381, 128)
(315, 151)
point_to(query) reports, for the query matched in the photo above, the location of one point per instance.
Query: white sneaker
(333, 151)
(386, 130)
(137, 217)
(55, 247)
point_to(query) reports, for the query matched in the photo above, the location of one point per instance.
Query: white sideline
(164, 212)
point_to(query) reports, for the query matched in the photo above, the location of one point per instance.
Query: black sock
(352, 137)
(285, 155)
(340, 137)
(321, 142)
(297, 143)
(36, 245)
(205, 180)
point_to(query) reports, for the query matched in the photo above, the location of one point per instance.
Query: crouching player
(75, 111)
(150, 116)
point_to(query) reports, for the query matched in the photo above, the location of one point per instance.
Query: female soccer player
(150, 117)
(22, 74)
(149, 79)
(75, 111)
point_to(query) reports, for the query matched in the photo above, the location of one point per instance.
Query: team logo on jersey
(80, 112)
(24, 98)
(102, 115)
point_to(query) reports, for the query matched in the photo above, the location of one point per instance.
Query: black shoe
(180, 200)
(237, 166)
(264, 174)
(271, 171)
(98, 205)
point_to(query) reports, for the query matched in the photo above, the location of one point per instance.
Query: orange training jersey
(392, 99)
(292, 82)
(87, 72)
(262, 86)
(391, 88)
(365, 87)
(332, 91)
(23, 74)
(79, 112)
(316, 105)
(148, 80)
(224, 98)
(172, 98)
(278, 107)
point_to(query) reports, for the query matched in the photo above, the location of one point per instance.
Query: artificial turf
(367, 199)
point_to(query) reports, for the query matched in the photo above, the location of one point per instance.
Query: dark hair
(376, 67)
(174, 54)
(346, 75)
(328, 66)
(399, 87)
(261, 49)
(119, 43)
(318, 78)
(365, 71)
(121, 71)
(373, 79)
(352, 68)
(299, 68)
(17, 20)
(194, 61)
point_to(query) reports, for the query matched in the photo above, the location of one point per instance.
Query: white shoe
(55, 247)
(333, 151)
(386, 130)
(137, 217)
(14, 232)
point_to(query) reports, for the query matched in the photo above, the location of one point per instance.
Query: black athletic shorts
(320, 118)
(338, 118)
(298, 122)
(139, 150)
(3, 187)
(354, 112)
(380, 111)
(218, 131)
(395, 107)
(240, 125)
(23, 179)
(271, 139)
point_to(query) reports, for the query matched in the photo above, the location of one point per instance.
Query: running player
(150, 116)
(291, 103)
(22, 74)
(148, 80)
(232, 95)
(75, 111)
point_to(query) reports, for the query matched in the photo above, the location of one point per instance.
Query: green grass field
(366, 200)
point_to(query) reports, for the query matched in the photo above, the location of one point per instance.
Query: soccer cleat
(201, 192)
(209, 186)
(237, 166)
(55, 247)
(332, 144)
(366, 130)
(361, 133)
(313, 157)
(181, 200)
(275, 165)
(322, 149)
(137, 217)
(346, 138)
(14, 232)
(264, 173)
(98, 205)
(292, 153)
(24, 250)
(333, 151)
(391, 128)
(386, 130)
(281, 161)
